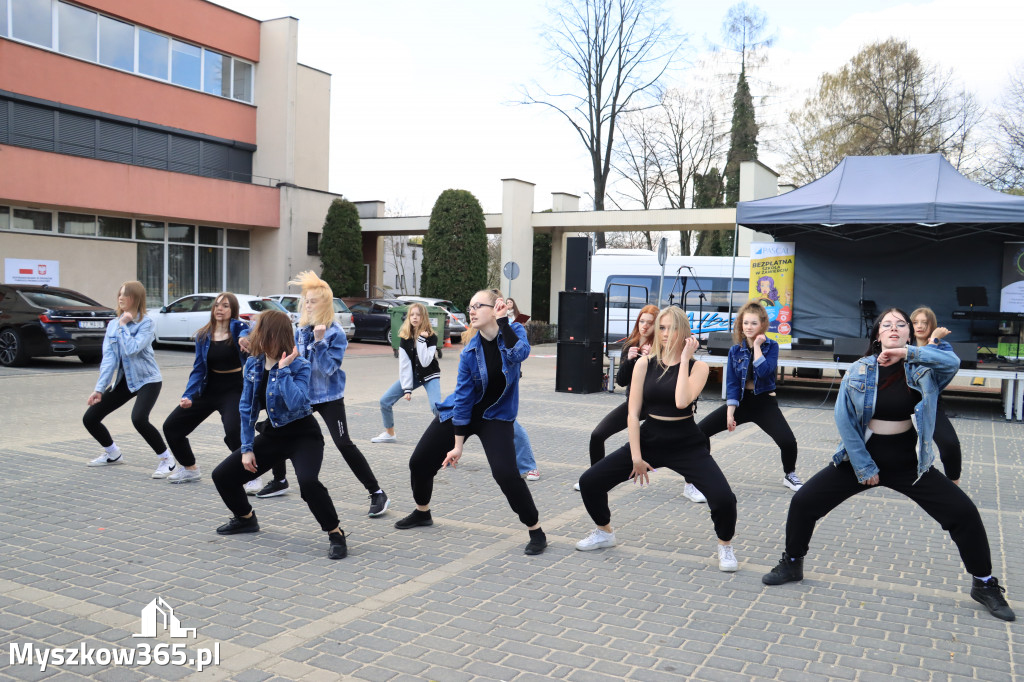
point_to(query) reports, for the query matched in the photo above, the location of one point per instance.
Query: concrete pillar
(517, 240)
(560, 202)
(757, 181)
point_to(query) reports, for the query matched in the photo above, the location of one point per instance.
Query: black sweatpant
(613, 422)
(764, 411)
(896, 459)
(948, 444)
(333, 413)
(498, 441)
(678, 445)
(302, 443)
(222, 394)
(114, 398)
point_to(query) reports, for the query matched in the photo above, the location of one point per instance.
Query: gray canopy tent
(898, 230)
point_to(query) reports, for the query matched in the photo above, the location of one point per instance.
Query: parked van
(631, 279)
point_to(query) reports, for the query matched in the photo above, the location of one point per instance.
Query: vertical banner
(771, 284)
(1011, 295)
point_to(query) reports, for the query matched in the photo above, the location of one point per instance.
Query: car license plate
(91, 324)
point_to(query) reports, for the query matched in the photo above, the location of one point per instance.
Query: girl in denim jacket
(215, 385)
(926, 328)
(276, 379)
(128, 370)
(885, 413)
(484, 404)
(322, 342)
(750, 389)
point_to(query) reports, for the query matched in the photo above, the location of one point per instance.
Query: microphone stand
(700, 305)
(672, 294)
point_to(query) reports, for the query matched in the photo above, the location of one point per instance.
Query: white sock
(166, 454)
(984, 580)
(378, 491)
(111, 449)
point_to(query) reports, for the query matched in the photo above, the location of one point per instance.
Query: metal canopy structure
(919, 195)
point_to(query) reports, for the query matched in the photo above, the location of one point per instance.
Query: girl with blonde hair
(276, 378)
(926, 328)
(417, 366)
(665, 386)
(128, 370)
(322, 342)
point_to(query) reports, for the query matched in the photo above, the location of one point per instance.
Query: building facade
(177, 143)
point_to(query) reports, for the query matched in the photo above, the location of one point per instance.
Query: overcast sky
(423, 92)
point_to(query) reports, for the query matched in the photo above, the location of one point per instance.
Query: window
(238, 238)
(149, 267)
(32, 21)
(75, 223)
(3, 18)
(76, 29)
(153, 54)
(41, 221)
(185, 305)
(51, 299)
(216, 73)
(204, 304)
(242, 81)
(185, 234)
(118, 228)
(211, 235)
(362, 307)
(186, 62)
(117, 44)
(5, 218)
(238, 270)
(312, 243)
(211, 268)
(150, 231)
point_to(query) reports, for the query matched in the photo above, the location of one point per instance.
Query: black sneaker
(990, 594)
(417, 518)
(338, 549)
(273, 489)
(239, 524)
(788, 570)
(536, 545)
(378, 503)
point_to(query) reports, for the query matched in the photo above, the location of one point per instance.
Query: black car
(372, 318)
(37, 321)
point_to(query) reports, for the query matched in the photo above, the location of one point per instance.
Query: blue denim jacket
(472, 381)
(327, 381)
(764, 370)
(929, 369)
(197, 379)
(129, 346)
(287, 395)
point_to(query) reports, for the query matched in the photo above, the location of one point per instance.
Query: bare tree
(1006, 171)
(613, 51)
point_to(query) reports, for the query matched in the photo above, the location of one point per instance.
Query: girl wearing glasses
(484, 404)
(926, 328)
(877, 400)
(665, 387)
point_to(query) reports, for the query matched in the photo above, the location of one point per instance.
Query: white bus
(698, 284)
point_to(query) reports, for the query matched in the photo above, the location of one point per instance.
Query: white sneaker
(576, 485)
(596, 540)
(384, 437)
(254, 486)
(727, 559)
(166, 466)
(106, 459)
(691, 493)
(532, 475)
(792, 481)
(183, 475)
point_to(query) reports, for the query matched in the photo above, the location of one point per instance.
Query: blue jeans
(524, 451)
(395, 393)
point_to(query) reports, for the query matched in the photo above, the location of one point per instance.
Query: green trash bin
(437, 315)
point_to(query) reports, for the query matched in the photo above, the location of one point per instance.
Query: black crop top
(223, 356)
(895, 401)
(660, 391)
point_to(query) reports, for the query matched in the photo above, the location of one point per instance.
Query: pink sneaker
(533, 475)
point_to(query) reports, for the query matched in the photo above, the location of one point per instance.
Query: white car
(344, 317)
(179, 321)
(291, 303)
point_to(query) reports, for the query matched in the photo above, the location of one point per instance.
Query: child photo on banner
(771, 284)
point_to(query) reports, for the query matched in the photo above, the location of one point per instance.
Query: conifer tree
(341, 249)
(455, 249)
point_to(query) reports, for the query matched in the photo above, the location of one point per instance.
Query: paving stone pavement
(83, 550)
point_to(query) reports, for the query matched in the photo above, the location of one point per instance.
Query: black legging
(613, 422)
(333, 413)
(302, 443)
(678, 445)
(114, 398)
(948, 444)
(896, 459)
(497, 439)
(764, 411)
(222, 394)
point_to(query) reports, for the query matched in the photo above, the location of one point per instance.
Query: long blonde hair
(680, 331)
(312, 284)
(407, 332)
(471, 331)
(135, 290)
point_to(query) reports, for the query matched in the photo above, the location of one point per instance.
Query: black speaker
(719, 343)
(846, 349)
(968, 354)
(579, 368)
(577, 264)
(580, 316)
